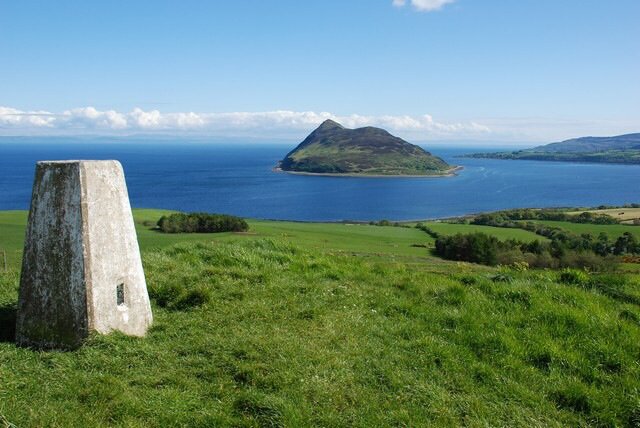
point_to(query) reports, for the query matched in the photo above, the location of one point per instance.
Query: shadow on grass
(8, 323)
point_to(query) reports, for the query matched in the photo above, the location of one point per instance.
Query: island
(333, 149)
(622, 149)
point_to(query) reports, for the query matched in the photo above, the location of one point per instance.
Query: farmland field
(613, 230)
(626, 215)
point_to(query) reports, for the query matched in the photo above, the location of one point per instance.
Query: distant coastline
(452, 172)
(619, 149)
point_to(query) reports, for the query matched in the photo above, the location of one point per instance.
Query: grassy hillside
(364, 240)
(293, 337)
(299, 324)
(623, 149)
(631, 157)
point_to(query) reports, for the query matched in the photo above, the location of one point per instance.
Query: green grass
(12, 226)
(308, 324)
(613, 230)
(290, 336)
(371, 241)
(498, 232)
(357, 238)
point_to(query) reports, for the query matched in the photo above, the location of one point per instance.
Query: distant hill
(619, 149)
(334, 149)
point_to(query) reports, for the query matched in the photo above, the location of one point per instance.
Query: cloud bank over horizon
(423, 5)
(276, 123)
(286, 124)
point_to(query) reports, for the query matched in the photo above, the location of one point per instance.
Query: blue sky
(426, 69)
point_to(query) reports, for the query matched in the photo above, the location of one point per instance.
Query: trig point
(81, 269)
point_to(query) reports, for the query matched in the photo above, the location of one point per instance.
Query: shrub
(201, 223)
(502, 277)
(468, 280)
(513, 257)
(520, 266)
(562, 251)
(587, 260)
(544, 260)
(574, 277)
(474, 247)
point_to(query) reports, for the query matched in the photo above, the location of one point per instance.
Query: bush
(588, 260)
(564, 251)
(468, 280)
(520, 266)
(511, 257)
(201, 223)
(502, 277)
(574, 277)
(474, 247)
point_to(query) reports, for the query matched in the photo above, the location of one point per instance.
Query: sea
(237, 177)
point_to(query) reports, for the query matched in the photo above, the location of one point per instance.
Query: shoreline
(452, 172)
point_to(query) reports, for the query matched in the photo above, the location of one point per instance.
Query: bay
(237, 178)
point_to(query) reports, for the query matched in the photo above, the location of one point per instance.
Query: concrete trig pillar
(81, 269)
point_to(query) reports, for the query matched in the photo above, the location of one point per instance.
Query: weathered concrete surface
(81, 270)
(111, 252)
(51, 307)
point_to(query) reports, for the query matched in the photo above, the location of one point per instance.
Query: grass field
(613, 230)
(299, 324)
(294, 337)
(12, 225)
(498, 232)
(626, 215)
(365, 240)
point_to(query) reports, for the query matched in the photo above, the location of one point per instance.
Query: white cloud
(10, 117)
(296, 125)
(424, 5)
(271, 123)
(89, 117)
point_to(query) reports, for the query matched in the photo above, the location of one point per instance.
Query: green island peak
(332, 149)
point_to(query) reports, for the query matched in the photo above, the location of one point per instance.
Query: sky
(451, 70)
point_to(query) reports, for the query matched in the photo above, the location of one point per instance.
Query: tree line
(508, 218)
(563, 250)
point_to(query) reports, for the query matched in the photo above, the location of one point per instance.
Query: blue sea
(237, 178)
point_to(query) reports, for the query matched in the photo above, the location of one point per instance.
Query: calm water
(237, 179)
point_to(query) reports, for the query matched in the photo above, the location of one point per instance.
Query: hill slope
(334, 149)
(617, 149)
(265, 333)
